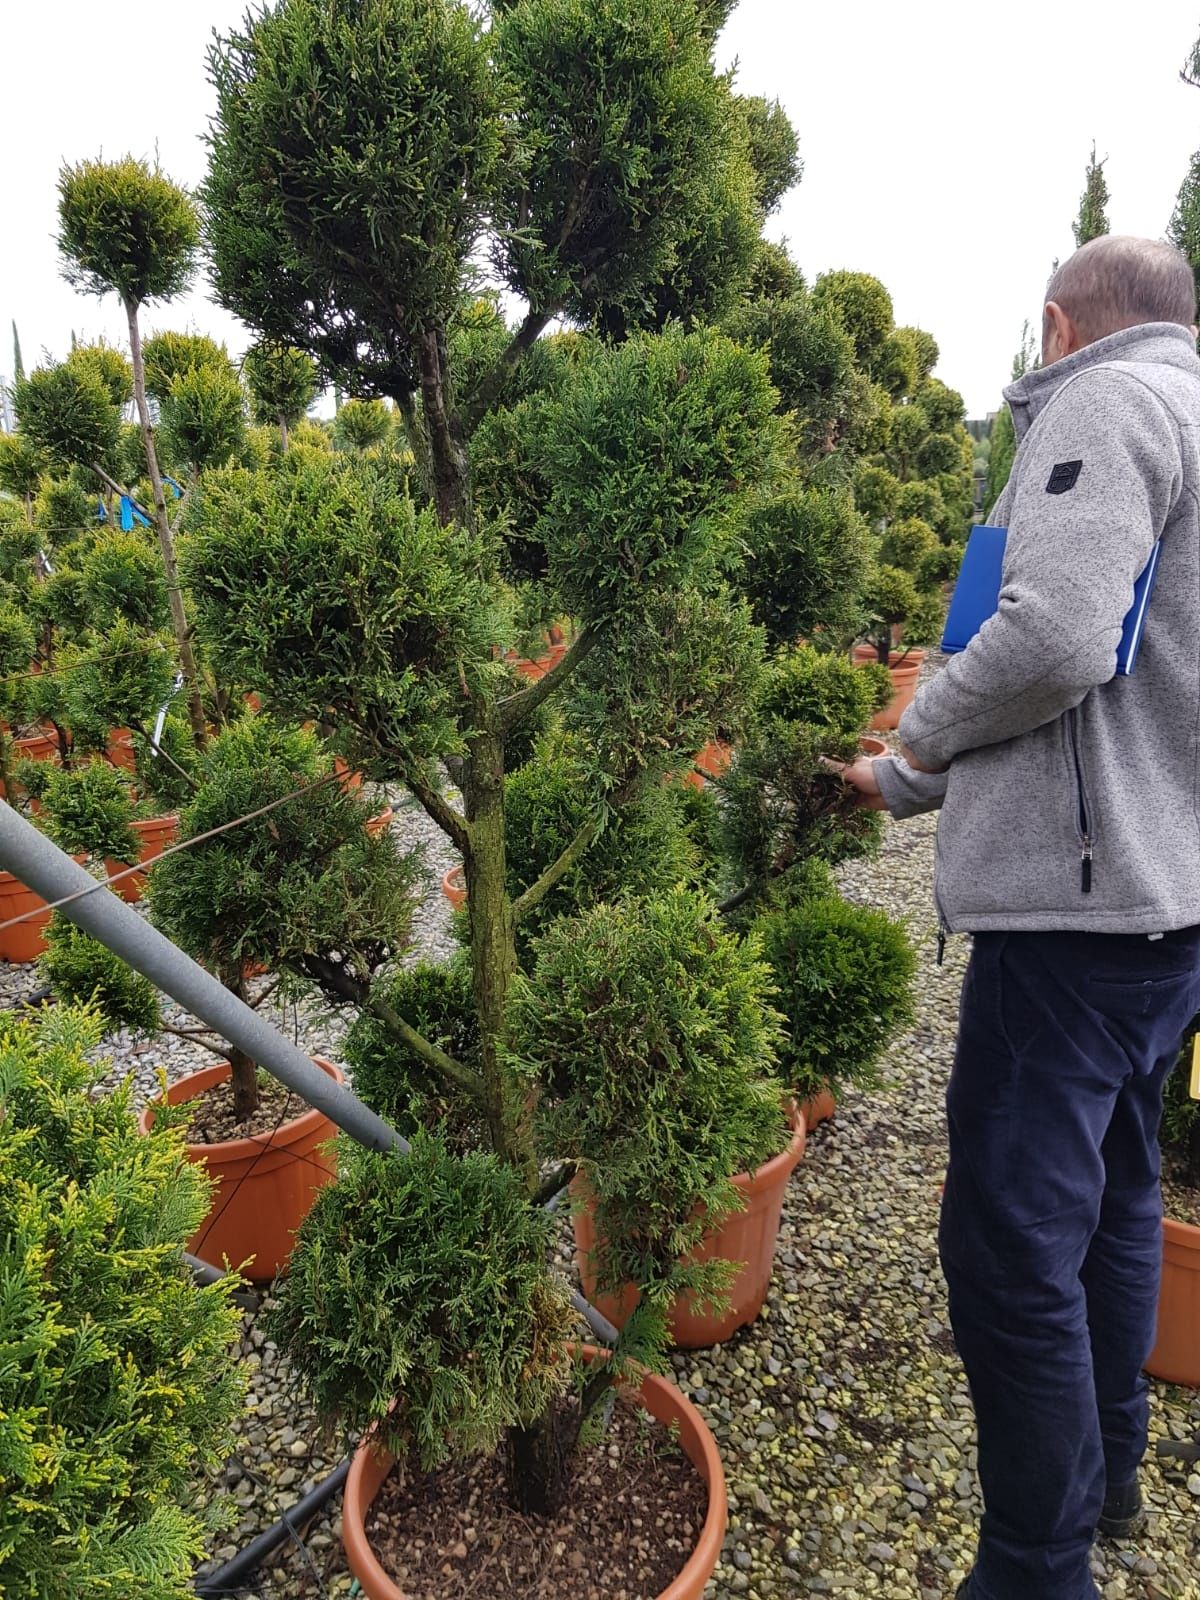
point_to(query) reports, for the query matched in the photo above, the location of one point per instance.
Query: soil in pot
(646, 1523)
(748, 1237)
(267, 1178)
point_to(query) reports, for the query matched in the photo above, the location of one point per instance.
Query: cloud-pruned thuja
(116, 1391)
(282, 382)
(67, 413)
(809, 550)
(170, 354)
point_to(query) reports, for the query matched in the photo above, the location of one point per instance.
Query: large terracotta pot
(1176, 1356)
(713, 761)
(748, 1236)
(821, 1108)
(154, 835)
(905, 668)
(120, 749)
(25, 940)
(377, 826)
(454, 887)
(266, 1184)
(661, 1399)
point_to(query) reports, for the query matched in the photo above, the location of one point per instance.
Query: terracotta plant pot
(661, 1399)
(26, 940)
(747, 1236)
(154, 834)
(713, 761)
(37, 747)
(905, 668)
(266, 1183)
(873, 748)
(120, 749)
(350, 782)
(377, 826)
(454, 887)
(1176, 1355)
(821, 1108)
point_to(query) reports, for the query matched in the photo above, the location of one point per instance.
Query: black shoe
(1122, 1511)
(963, 1592)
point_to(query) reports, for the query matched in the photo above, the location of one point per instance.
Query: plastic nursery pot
(820, 1108)
(713, 761)
(120, 749)
(454, 887)
(154, 835)
(905, 668)
(25, 940)
(665, 1404)
(266, 1183)
(873, 748)
(377, 826)
(1176, 1354)
(748, 1237)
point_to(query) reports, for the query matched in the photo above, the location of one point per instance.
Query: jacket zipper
(1084, 823)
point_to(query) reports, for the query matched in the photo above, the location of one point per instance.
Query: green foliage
(876, 492)
(1181, 1114)
(811, 362)
(203, 418)
(355, 154)
(676, 422)
(117, 1389)
(303, 887)
(643, 848)
(360, 424)
(809, 550)
(118, 680)
(63, 509)
(938, 453)
(924, 347)
(170, 355)
(109, 365)
(325, 586)
(774, 151)
(418, 1300)
(623, 120)
(895, 366)
(773, 274)
(282, 382)
(125, 228)
(89, 811)
(943, 406)
(907, 543)
(1000, 460)
(1092, 220)
(920, 500)
(393, 1080)
(82, 971)
(68, 414)
(783, 808)
(122, 576)
(1183, 230)
(843, 976)
(650, 1025)
(864, 308)
(21, 464)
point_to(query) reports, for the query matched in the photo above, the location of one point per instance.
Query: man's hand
(917, 766)
(860, 776)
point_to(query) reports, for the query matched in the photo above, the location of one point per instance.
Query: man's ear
(1061, 334)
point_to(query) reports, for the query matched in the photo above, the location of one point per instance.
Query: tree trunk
(283, 432)
(243, 1073)
(539, 1462)
(447, 445)
(166, 542)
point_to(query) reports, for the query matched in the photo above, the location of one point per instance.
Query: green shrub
(89, 811)
(1181, 1114)
(907, 543)
(168, 356)
(809, 551)
(122, 576)
(117, 1389)
(82, 971)
(651, 1028)
(843, 976)
(397, 1083)
(418, 1299)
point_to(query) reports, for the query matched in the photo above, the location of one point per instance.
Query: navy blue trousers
(1051, 1230)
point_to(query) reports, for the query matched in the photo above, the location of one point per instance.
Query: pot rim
(690, 1579)
(780, 1166)
(11, 885)
(1185, 1234)
(250, 1146)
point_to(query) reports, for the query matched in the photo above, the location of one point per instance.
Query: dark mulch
(631, 1522)
(1181, 1201)
(211, 1118)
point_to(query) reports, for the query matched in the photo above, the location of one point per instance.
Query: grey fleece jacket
(1072, 796)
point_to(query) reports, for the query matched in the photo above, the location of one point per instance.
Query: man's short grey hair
(1117, 282)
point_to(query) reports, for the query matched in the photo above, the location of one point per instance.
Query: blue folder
(977, 596)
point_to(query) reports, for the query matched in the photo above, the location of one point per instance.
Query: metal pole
(50, 872)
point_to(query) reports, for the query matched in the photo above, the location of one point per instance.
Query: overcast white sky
(944, 145)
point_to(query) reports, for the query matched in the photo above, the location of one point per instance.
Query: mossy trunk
(243, 1073)
(539, 1462)
(166, 540)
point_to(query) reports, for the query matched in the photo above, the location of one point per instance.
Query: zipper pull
(1086, 865)
(941, 944)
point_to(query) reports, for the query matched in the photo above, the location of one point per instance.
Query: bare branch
(518, 348)
(537, 892)
(517, 707)
(451, 822)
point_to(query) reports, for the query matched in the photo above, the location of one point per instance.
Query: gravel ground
(843, 1415)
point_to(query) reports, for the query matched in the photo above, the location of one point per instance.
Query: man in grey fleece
(1069, 846)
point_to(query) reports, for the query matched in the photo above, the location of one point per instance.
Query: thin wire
(89, 661)
(184, 844)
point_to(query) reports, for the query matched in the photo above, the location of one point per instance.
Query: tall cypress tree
(1093, 215)
(18, 364)
(1183, 230)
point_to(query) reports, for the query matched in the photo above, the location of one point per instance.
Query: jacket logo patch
(1065, 476)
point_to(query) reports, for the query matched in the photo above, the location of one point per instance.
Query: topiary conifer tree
(1092, 221)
